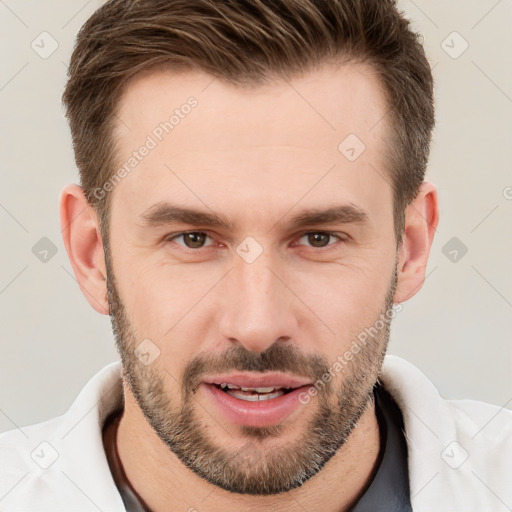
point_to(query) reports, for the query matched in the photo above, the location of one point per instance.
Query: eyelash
(340, 236)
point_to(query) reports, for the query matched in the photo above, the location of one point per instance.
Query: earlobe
(421, 220)
(82, 239)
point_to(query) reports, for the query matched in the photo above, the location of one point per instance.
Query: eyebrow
(166, 213)
(343, 214)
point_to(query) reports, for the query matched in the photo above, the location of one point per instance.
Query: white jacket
(460, 451)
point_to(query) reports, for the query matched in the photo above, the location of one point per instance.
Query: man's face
(269, 293)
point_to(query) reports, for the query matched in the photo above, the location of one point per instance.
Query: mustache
(277, 358)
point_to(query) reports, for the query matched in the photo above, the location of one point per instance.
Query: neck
(164, 482)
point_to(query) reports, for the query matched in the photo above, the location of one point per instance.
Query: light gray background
(457, 329)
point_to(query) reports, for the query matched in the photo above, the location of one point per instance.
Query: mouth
(253, 394)
(255, 400)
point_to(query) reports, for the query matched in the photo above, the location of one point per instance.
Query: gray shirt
(388, 491)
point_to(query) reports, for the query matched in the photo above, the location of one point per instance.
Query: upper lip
(261, 380)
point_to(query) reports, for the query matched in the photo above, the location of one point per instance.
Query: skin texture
(257, 157)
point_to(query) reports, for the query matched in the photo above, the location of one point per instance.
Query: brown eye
(191, 240)
(318, 239)
(194, 240)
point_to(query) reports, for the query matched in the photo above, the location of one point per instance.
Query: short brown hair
(246, 42)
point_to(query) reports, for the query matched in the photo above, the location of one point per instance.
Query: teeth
(238, 393)
(229, 386)
(224, 385)
(259, 390)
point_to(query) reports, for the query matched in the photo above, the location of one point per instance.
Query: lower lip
(263, 413)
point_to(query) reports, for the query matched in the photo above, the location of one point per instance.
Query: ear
(82, 239)
(421, 219)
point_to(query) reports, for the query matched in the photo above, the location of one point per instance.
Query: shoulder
(458, 450)
(412, 390)
(61, 461)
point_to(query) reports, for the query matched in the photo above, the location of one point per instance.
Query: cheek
(345, 299)
(167, 303)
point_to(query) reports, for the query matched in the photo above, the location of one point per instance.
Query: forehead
(266, 142)
(332, 98)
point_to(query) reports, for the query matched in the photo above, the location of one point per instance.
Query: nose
(258, 308)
